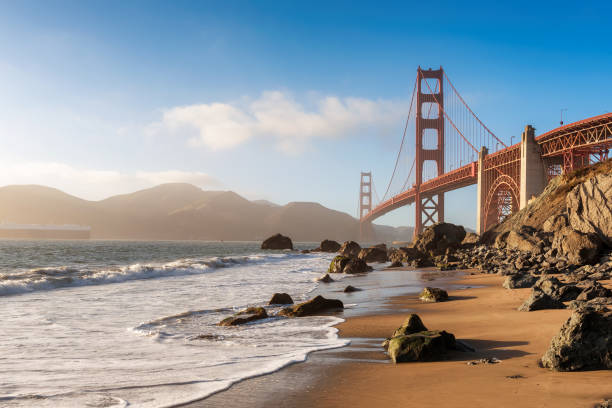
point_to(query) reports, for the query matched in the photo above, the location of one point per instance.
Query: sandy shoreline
(485, 316)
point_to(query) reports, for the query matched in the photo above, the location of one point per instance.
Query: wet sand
(484, 316)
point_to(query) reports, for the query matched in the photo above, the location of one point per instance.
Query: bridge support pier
(533, 168)
(481, 193)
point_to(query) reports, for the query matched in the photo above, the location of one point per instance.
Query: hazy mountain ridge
(182, 211)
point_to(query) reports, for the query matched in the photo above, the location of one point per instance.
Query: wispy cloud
(279, 117)
(96, 184)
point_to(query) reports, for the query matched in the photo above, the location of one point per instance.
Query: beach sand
(484, 316)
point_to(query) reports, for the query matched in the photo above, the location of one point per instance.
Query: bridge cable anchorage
(449, 119)
(472, 112)
(403, 139)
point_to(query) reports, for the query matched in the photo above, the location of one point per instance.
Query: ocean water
(115, 323)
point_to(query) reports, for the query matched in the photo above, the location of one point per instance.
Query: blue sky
(286, 101)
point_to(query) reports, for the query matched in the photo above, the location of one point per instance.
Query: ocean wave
(41, 279)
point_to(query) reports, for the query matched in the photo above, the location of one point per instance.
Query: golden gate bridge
(452, 148)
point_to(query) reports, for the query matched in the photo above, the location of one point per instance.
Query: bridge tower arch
(429, 209)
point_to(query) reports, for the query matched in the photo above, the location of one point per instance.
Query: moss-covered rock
(433, 295)
(338, 263)
(422, 346)
(412, 324)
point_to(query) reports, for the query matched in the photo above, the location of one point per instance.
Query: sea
(118, 323)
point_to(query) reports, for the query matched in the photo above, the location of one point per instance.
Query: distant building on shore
(40, 231)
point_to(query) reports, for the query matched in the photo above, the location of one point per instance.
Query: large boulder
(314, 306)
(471, 238)
(406, 254)
(338, 263)
(589, 206)
(329, 246)
(281, 299)
(356, 266)
(277, 241)
(422, 346)
(583, 343)
(245, 316)
(433, 295)
(579, 248)
(373, 254)
(522, 241)
(594, 290)
(539, 300)
(438, 238)
(350, 249)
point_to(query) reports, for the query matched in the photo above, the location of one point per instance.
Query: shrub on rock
(277, 241)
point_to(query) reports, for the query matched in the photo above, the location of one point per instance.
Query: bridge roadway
(578, 139)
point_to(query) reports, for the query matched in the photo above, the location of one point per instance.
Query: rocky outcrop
(439, 238)
(412, 324)
(277, 241)
(356, 266)
(433, 295)
(539, 300)
(245, 316)
(373, 254)
(526, 240)
(470, 239)
(350, 289)
(583, 343)
(350, 249)
(519, 281)
(329, 246)
(594, 290)
(281, 299)
(589, 207)
(396, 264)
(314, 306)
(338, 263)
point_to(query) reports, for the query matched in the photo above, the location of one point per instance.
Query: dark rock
(314, 306)
(380, 246)
(350, 249)
(568, 292)
(470, 239)
(438, 238)
(305, 251)
(338, 264)
(583, 343)
(245, 316)
(325, 278)
(589, 207)
(373, 254)
(396, 264)
(597, 304)
(594, 290)
(519, 281)
(329, 246)
(356, 266)
(422, 346)
(539, 300)
(277, 241)
(350, 289)
(433, 295)
(281, 299)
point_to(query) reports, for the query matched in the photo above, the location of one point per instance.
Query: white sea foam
(151, 339)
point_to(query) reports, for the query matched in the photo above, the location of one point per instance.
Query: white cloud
(279, 116)
(95, 184)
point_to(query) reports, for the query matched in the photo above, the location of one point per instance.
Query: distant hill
(179, 211)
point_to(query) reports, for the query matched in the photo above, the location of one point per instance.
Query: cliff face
(553, 202)
(179, 212)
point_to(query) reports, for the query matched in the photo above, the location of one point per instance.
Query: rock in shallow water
(350, 289)
(245, 316)
(277, 241)
(314, 306)
(281, 299)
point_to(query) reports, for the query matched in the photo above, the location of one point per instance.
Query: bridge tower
(429, 209)
(365, 206)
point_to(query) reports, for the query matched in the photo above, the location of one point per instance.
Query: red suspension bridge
(452, 148)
